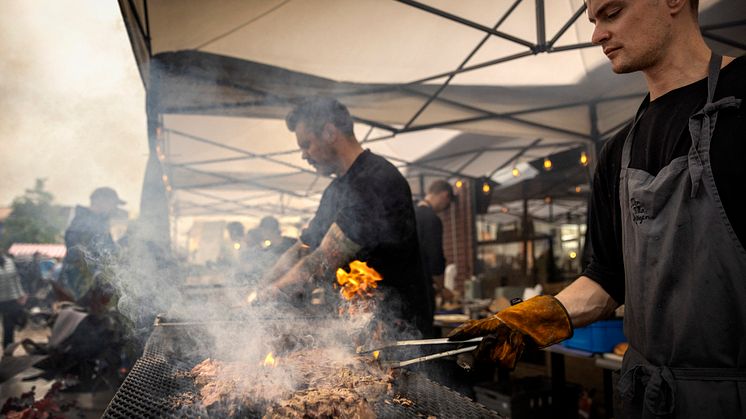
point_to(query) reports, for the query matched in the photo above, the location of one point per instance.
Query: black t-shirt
(663, 135)
(430, 234)
(372, 205)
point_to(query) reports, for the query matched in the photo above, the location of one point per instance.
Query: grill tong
(421, 342)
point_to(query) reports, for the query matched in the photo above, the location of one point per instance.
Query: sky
(72, 104)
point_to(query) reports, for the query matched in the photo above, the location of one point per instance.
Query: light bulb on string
(547, 164)
(583, 158)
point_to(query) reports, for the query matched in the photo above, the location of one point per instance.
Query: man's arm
(586, 302)
(286, 261)
(334, 251)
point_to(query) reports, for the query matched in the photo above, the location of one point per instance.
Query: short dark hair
(235, 227)
(439, 186)
(269, 223)
(316, 111)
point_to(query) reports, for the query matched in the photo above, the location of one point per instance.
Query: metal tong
(422, 342)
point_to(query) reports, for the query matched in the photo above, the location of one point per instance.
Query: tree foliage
(34, 218)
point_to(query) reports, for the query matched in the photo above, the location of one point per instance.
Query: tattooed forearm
(335, 250)
(286, 262)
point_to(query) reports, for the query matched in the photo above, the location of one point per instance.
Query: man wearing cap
(89, 242)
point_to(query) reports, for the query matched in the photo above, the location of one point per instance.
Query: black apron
(685, 278)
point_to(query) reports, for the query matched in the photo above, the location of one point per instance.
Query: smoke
(71, 101)
(205, 313)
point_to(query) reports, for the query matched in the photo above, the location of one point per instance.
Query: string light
(583, 158)
(573, 255)
(486, 188)
(547, 164)
(516, 172)
(459, 183)
(578, 189)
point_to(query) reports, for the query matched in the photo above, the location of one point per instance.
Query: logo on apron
(639, 213)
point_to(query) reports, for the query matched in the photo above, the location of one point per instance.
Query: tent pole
(154, 202)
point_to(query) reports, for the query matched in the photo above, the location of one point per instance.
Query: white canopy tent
(221, 75)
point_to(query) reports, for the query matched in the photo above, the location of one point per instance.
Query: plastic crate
(600, 336)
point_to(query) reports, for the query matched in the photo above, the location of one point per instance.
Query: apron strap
(627, 147)
(702, 123)
(659, 382)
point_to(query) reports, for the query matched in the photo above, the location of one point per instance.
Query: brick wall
(458, 234)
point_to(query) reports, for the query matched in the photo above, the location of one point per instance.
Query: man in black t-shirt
(666, 224)
(430, 232)
(365, 214)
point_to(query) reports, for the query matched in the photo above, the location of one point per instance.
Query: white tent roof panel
(222, 74)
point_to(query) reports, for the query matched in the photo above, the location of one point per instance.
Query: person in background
(89, 243)
(272, 239)
(231, 249)
(12, 297)
(264, 246)
(666, 225)
(366, 213)
(430, 233)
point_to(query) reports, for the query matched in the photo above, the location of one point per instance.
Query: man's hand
(541, 321)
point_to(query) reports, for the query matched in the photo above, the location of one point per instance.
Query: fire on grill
(269, 364)
(305, 382)
(316, 383)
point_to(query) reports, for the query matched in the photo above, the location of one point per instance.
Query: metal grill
(158, 379)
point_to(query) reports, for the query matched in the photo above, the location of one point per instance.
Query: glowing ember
(251, 297)
(359, 282)
(270, 360)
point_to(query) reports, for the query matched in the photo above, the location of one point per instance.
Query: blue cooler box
(600, 336)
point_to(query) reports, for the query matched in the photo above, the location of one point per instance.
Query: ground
(89, 404)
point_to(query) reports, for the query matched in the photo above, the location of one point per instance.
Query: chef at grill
(666, 224)
(365, 214)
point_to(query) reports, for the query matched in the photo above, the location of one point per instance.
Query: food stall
(217, 95)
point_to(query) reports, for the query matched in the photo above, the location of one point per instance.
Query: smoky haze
(72, 104)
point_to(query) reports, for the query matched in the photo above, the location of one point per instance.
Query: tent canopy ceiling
(519, 76)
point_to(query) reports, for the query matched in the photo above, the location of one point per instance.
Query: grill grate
(158, 378)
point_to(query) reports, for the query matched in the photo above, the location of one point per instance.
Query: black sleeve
(604, 221)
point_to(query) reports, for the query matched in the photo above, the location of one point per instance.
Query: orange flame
(359, 282)
(269, 361)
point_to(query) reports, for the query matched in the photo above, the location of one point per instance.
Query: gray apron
(685, 279)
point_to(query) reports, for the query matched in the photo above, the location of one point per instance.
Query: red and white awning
(45, 249)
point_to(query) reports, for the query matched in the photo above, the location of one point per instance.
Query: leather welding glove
(540, 321)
